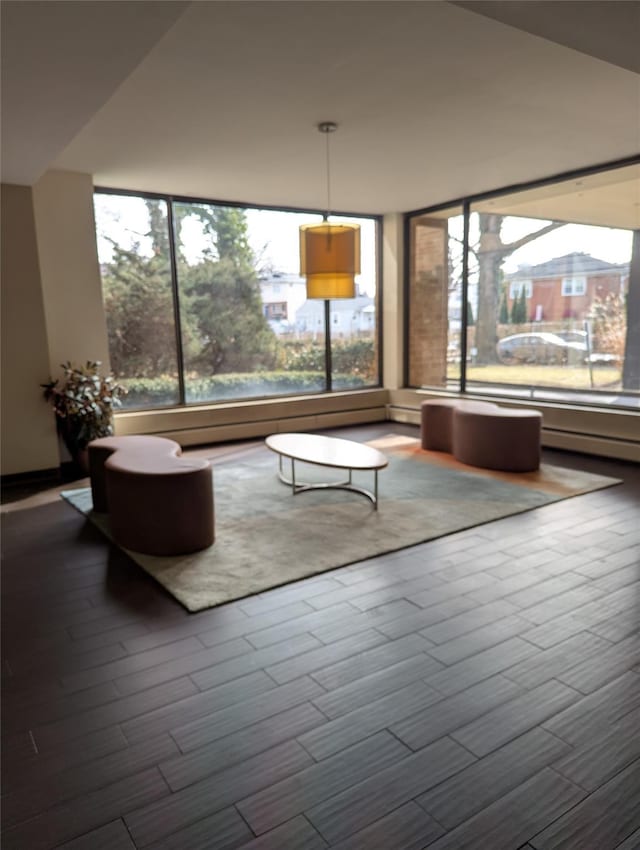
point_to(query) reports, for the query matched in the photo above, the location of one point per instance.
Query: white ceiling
(60, 65)
(607, 30)
(435, 100)
(606, 199)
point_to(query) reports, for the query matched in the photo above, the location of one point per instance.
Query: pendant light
(329, 253)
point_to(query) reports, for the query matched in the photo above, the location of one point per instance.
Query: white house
(282, 295)
(349, 317)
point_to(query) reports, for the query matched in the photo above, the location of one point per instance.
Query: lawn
(572, 377)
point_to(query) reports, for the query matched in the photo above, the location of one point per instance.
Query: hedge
(352, 357)
(163, 391)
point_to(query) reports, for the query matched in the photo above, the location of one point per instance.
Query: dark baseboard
(34, 476)
(20, 485)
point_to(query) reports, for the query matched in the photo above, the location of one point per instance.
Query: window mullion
(176, 301)
(466, 214)
(328, 382)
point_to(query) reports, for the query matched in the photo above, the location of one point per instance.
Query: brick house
(565, 287)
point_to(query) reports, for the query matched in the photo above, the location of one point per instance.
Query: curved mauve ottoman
(504, 439)
(100, 451)
(158, 502)
(436, 421)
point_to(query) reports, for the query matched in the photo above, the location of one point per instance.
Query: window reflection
(553, 290)
(246, 328)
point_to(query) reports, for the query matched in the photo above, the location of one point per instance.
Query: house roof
(281, 278)
(576, 263)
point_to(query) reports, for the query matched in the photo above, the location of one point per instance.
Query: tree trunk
(631, 369)
(158, 227)
(492, 251)
(490, 255)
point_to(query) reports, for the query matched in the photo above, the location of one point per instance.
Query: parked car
(572, 336)
(600, 358)
(596, 358)
(545, 348)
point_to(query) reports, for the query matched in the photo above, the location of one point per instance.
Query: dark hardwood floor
(349, 710)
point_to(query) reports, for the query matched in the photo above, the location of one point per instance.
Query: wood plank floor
(355, 709)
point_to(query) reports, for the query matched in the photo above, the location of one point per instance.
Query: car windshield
(573, 336)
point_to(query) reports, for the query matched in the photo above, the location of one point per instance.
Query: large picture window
(552, 283)
(204, 303)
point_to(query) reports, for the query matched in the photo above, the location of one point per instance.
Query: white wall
(392, 303)
(52, 308)
(70, 274)
(29, 439)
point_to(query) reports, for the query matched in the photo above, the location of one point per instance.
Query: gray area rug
(267, 537)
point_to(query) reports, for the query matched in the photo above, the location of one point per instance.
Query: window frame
(568, 286)
(466, 203)
(172, 199)
(528, 288)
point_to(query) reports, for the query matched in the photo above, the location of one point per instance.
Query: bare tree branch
(513, 246)
(472, 248)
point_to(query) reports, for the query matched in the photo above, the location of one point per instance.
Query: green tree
(524, 311)
(515, 307)
(138, 300)
(519, 308)
(232, 236)
(470, 317)
(223, 325)
(221, 303)
(139, 308)
(225, 227)
(503, 318)
(631, 369)
(158, 228)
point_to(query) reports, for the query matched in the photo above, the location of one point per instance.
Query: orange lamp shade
(330, 259)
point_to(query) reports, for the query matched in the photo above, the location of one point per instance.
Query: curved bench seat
(100, 451)
(504, 439)
(481, 433)
(436, 421)
(159, 502)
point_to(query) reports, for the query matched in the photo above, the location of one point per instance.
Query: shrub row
(353, 357)
(163, 391)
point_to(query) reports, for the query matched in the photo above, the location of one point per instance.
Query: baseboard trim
(585, 443)
(50, 475)
(207, 434)
(591, 444)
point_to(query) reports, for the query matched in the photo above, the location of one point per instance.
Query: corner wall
(29, 440)
(70, 274)
(52, 308)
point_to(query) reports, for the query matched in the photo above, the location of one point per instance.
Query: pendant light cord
(328, 127)
(328, 177)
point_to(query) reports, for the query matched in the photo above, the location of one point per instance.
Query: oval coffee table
(327, 451)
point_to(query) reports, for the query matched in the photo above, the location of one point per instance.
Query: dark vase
(78, 466)
(81, 460)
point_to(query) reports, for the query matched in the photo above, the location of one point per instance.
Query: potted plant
(83, 403)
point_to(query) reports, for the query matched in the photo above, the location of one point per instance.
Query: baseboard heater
(571, 440)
